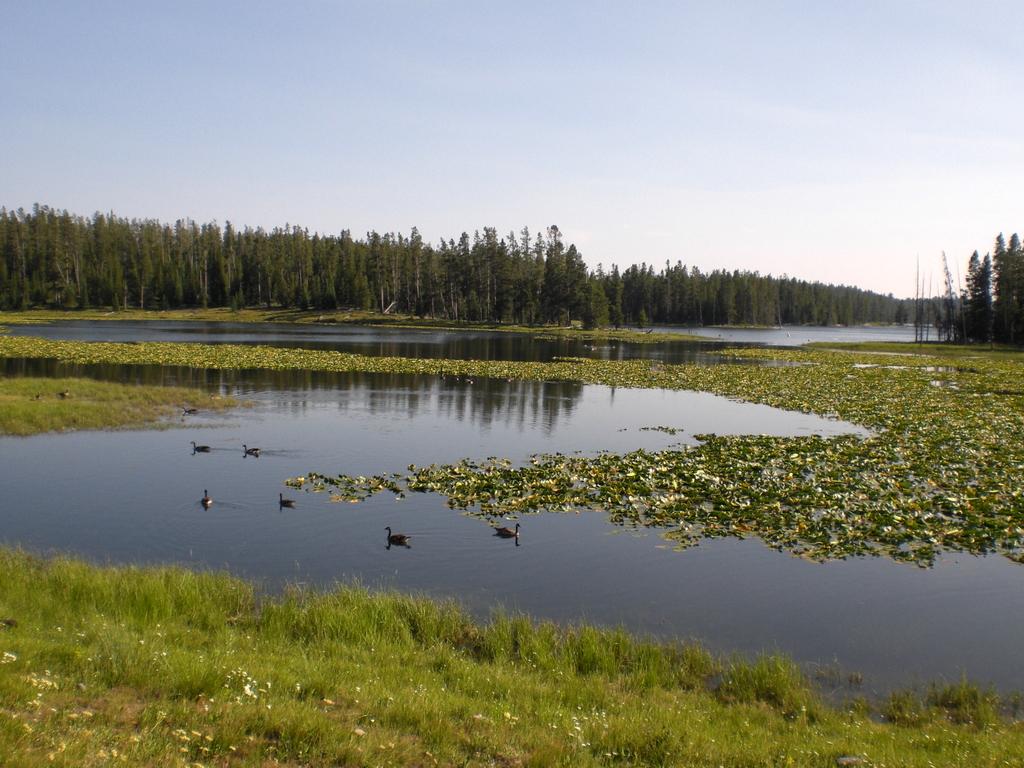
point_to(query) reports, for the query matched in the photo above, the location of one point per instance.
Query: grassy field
(163, 666)
(327, 317)
(29, 406)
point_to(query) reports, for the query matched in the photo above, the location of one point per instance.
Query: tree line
(52, 258)
(990, 306)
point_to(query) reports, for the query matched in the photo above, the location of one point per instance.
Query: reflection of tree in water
(516, 402)
(478, 401)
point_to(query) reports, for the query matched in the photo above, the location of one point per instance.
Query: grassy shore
(328, 317)
(213, 314)
(162, 666)
(29, 406)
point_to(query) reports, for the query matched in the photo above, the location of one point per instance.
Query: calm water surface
(481, 345)
(795, 335)
(134, 497)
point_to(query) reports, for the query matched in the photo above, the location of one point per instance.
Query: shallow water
(134, 497)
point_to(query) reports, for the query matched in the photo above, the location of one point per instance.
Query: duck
(283, 502)
(250, 451)
(189, 411)
(200, 448)
(206, 501)
(507, 533)
(400, 539)
(64, 395)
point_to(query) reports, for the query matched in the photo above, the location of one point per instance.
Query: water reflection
(135, 496)
(482, 402)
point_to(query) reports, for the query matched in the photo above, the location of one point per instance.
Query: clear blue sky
(831, 141)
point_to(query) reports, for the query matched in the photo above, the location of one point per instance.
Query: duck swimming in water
(507, 533)
(400, 539)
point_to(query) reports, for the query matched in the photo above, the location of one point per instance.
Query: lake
(796, 335)
(367, 340)
(133, 496)
(456, 345)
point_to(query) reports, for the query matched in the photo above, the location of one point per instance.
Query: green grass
(29, 406)
(162, 666)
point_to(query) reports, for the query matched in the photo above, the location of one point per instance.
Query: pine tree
(1002, 283)
(1015, 266)
(978, 299)
(596, 313)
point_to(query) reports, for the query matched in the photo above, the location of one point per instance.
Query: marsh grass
(773, 680)
(962, 703)
(904, 707)
(965, 703)
(30, 406)
(163, 666)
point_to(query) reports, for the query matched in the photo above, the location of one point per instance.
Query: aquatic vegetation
(931, 348)
(636, 373)
(940, 471)
(351, 317)
(816, 497)
(938, 474)
(965, 703)
(30, 406)
(164, 666)
(666, 430)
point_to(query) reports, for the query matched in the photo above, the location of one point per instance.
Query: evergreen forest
(52, 258)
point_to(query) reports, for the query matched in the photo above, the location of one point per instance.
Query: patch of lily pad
(666, 430)
(940, 472)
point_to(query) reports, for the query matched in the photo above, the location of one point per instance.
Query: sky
(828, 141)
